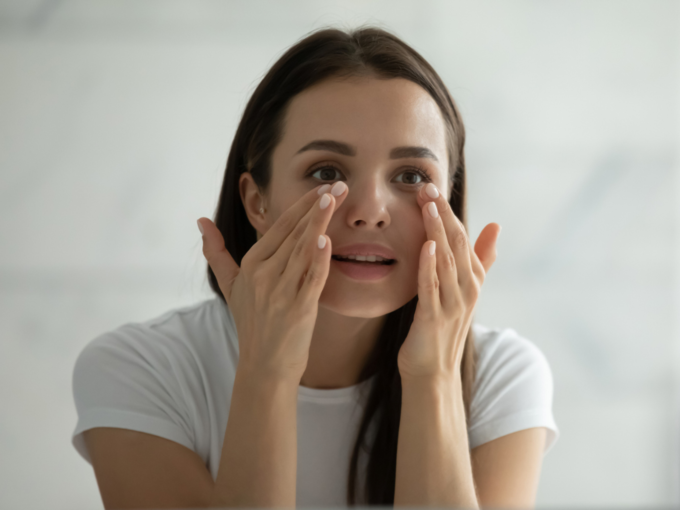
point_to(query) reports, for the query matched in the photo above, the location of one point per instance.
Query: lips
(365, 250)
(370, 259)
(363, 271)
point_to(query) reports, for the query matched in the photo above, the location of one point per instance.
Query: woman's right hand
(274, 295)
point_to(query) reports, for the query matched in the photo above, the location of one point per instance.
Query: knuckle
(208, 253)
(431, 285)
(247, 263)
(474, 290)
(286, 221)
(314, 276)
(298, 232)
(258, 275)
(460, 241)
(439, 230)
(449, 261)
(297, 251)
(300, 245)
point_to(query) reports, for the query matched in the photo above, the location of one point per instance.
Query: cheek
(276, 209)
(412, 236)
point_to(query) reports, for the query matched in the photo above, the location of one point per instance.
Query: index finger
(284, 225)
(455, 232)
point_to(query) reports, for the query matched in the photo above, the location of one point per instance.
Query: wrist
(250, 378)
(450, 385)
(450, 379)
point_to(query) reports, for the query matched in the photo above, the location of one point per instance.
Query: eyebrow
(349, 150)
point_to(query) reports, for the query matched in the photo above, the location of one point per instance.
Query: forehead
(370, 113)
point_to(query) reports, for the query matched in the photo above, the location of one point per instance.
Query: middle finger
(278, 262)
(449, 293)
(457, 239)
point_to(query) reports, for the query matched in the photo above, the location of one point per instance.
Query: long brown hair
(333, 53)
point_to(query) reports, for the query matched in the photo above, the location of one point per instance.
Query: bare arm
(257, 468)
(259, 457)
(507, 469)
(433, 456)
(274, 297)
(139, 470)
(435, 466)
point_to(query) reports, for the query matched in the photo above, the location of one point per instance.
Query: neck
(339, 349)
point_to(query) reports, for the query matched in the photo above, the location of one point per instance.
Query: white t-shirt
(172, 377)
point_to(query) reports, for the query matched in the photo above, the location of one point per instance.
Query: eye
(420, 172)
(328, 171)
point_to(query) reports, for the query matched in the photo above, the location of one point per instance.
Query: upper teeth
(368, 258)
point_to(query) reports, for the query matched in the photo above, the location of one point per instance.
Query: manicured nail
(433, 247)
(323, 189)
(431, 190)
(338, 188)
(325, 200)
(199, 226)
(432, 208)
(322, 242)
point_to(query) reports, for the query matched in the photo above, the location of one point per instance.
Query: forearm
(433, 455)
(259, 455)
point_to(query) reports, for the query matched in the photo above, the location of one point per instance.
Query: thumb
(485, 247)
(220, 260)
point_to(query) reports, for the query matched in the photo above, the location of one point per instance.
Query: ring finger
(302, 255)
(278, 262)
(447, 273)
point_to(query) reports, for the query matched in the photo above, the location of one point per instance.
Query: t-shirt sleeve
(513, 389)
(125, 379)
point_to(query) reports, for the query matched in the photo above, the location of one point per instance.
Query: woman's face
(373, 118)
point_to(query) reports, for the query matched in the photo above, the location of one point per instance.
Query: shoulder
(155, 376)
(181, 331)
(513, 387)
(502, 351)
(185, 346)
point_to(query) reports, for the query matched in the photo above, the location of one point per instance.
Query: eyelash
(414, 169)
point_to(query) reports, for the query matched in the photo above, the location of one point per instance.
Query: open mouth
(384, 262)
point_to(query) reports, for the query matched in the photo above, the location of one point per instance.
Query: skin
(386, 203)
(381, 205)
(434, 464)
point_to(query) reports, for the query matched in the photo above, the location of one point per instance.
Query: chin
(366, 305)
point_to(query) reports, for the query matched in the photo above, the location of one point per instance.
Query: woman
(318, 377)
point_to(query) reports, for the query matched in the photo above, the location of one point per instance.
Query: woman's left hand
(449, 284)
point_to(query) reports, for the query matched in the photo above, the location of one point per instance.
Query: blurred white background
(115, 123)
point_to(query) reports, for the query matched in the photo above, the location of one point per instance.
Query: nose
(366, 205)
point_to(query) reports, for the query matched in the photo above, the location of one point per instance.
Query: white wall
(115, 123)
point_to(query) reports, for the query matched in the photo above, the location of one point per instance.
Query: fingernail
(325, 200)
(338, 188)
(323, 189)
(432, 208)
(199, 226)
(431, 190)
(321, 242)
(433, 247)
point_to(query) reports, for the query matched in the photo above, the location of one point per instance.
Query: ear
(252, 201)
